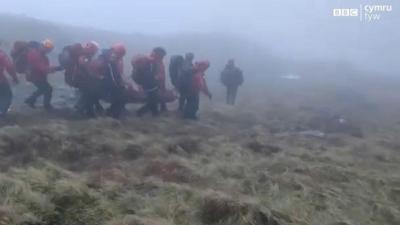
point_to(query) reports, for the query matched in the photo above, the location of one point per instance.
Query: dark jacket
(232, 77)
(186, 76)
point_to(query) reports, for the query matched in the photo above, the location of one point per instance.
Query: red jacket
(199, 83)
(99, 69)
(38, 64)
(160, 74)
(6, 64)
(79, 67)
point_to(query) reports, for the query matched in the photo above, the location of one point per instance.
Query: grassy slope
(242, 165)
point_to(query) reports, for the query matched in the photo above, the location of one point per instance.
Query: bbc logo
(345, 12)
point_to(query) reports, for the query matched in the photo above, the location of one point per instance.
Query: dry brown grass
(243, 165)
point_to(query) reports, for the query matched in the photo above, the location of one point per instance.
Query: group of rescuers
(99, 77)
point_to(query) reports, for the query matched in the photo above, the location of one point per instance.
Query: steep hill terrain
(322, 149)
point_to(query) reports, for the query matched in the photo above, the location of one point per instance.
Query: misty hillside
(218, 48)
(321, 148)
(253, 57)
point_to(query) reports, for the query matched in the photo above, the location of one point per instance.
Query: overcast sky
(166, 16)
(294, 28)
(161, 16)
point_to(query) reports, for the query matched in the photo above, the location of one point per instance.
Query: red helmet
(118, 49)
(91, 48)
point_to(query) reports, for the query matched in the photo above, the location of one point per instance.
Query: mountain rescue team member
(69, 60)
(117, 93)
(76, 60)
(187, 72)
(175, 71)
(38, 69)
(158, 55)
(5, 90)
(232, 78)
(197, 85)
(108, 69)
(90, 49)
(152, 80)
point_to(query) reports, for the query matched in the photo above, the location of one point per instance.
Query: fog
(299, 30)
(312, 138)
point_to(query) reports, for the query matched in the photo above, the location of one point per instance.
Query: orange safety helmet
(48, 44)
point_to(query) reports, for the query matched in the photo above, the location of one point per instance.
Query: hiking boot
(191, 117)
(90, 114)
(99, 109)
(30, 102)
(48, 108)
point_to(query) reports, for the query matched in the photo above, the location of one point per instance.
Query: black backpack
(69, 55)
(175, 69)
(143, 72)
(186, 77)
(65, 58)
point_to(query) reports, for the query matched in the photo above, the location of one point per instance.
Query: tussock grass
(245, 176)
(50, 195)
(243, 165)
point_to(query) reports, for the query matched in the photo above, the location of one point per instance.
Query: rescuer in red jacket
(108, 70)
(38, 69)
(76, 59)
(151, 77)
(5, 90)
(158, 59)
(196, 85)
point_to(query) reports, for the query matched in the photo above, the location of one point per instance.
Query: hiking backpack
(19, 52)
(142, 68)
(69, 55)
(175, 69)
